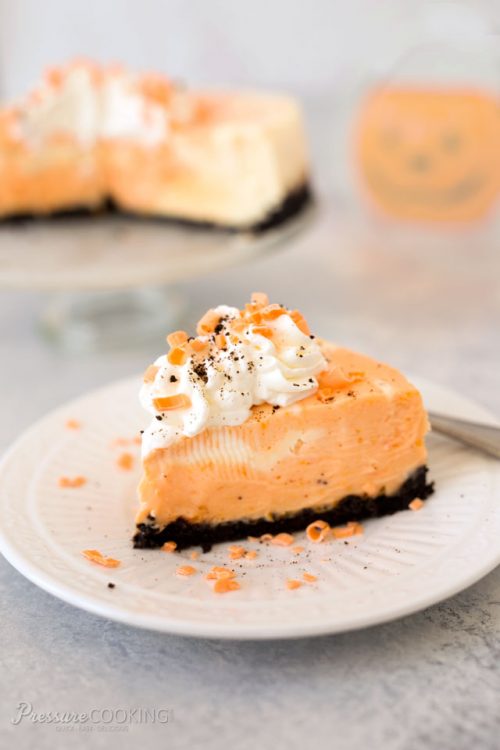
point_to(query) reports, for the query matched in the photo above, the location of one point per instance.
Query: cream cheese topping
(223, 384)
(89, 109)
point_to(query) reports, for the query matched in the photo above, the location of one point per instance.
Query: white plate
(401, 564)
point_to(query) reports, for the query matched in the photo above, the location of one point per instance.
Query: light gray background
(428, 303)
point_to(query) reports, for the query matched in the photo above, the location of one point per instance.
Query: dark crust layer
(292, 205)
(350, 508)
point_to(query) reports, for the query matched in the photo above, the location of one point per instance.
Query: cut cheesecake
(91, 137)
(331, 434)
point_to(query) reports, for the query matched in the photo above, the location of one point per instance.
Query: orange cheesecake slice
(90, 137)
(259, 427)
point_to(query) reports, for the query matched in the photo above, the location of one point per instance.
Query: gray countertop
(430, 306)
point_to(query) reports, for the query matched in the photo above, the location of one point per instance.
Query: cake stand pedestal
(112, 279)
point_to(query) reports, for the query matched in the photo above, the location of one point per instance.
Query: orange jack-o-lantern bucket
(430, 154)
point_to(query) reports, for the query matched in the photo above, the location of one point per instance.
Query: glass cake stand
(112, 278)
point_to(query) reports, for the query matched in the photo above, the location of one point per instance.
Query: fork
(484, 437)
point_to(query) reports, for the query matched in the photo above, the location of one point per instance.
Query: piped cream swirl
(224, 383)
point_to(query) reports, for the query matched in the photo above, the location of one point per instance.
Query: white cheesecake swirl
(223, 384)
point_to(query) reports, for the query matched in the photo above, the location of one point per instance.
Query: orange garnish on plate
(317, 531)
(177, 356)
(185, 570)
(309, 578)
(97, 557)
(72, 481)
(218, 573)
(224, 585)
(282, 540)
(177, 338)
(166, 403)
(125, 461)
(416, 504)
(73, 424)
(169, 547)
(236, 552)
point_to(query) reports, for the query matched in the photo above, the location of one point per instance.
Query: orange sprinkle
(218, 573)
(416, 504)
(282, 540)
(292, 583)
(238, 326)
(265, 538)
(259, 298)
(224, 585)
(137, 440)
(317, 531)
(97, 557)
(194, 555)
(207, 323)
(251, 554)
(73, 424)
(125, 461)
(326, 394)
(263, 331)
(169, 547)
(309, 577)
(220, 341)
(300, 322)
(185, 570)
(236, 552)
(297, 550)
(177, 338)
(197, 345)
(72, 481)
(177, 356)
(166, 403)
(271, 312)
(150, 374)
(253, 539)
(342, 532)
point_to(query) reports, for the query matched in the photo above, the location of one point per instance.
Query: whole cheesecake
(259, 427)
(91, 137)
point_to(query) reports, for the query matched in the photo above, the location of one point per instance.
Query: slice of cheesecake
(90, 137)
(260, 428)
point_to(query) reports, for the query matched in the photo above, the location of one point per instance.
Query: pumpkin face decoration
(430, 155)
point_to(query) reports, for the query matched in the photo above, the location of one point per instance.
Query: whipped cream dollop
(223, 383)
(92, 104)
